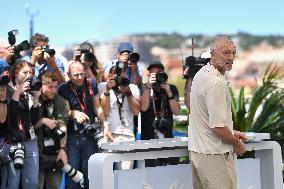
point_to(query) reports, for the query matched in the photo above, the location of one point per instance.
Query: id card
(32, 133)
(48, 142)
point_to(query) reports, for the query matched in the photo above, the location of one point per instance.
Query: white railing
(262, 172)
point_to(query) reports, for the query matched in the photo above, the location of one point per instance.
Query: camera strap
(161, 113)
(120, 104)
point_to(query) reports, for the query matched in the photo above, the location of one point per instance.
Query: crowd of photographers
(53, 118)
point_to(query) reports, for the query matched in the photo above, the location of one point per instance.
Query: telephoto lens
(75, 175)
(18, 152)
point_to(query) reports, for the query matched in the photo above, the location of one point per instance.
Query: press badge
(48, 142)
(32, 133)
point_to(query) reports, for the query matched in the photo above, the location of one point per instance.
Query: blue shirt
(3, 64)
(45, 66)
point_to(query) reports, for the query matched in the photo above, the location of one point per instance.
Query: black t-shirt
(148, 117)
(4, 130)
(20, 113)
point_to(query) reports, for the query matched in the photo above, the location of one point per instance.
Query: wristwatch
(128, 94)
(106, 93)
(3, 101)
(171, 97)
(62, 148)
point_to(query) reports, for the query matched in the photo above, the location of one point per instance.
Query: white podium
(262, 172)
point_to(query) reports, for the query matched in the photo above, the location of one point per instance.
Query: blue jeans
(29, 173)
(5, 149)
(79, 149)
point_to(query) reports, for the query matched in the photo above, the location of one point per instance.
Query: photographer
(120, 102)
(159, 101)
(85, 54)
(44, 58)
(4, 130)
(129, 60)
(51, 131)
(85, 109)
(24, 113)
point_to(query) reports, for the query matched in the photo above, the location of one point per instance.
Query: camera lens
(124, 82)
(134, 57)
(35, 84)
(161, 77)
(19, 155)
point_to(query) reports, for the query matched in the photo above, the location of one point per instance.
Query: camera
(84, 50)
(162, 125)
(24, 45)
(57, 133)
(120, 81)
(194, 64)
(35, 83)
(17, 153)
(134, 57)
(93, 129)
(46, 49)
(75, 175)
(4, 77)
(161, 77)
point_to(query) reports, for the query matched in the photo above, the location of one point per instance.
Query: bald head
(75, 65)
(76, 73)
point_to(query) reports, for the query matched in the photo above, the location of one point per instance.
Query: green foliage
(179, 82)
(267, 99)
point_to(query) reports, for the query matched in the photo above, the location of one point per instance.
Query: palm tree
(264, 111)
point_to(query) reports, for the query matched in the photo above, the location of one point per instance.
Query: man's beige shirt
(210, 107)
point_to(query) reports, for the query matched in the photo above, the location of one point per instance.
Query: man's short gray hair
(219, 40)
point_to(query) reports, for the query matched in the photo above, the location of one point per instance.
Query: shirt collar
(211, 69)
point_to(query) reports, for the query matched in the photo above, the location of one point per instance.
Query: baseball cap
(125, 46)
(157, 64)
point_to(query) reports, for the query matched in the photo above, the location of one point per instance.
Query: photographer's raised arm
(145, 98)
(134, 104)
(36, 54)
(136, 76)
(105, 98)
(172, 94)
(98, 109)
(51, 61)
(3, 103)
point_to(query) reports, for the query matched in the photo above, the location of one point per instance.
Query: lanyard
(82, 103)
(163, 110)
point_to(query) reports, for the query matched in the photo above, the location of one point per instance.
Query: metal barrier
(262, 172)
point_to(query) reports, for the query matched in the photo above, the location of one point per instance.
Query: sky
(74, 21)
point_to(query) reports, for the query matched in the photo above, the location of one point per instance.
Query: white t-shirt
(116, 124)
